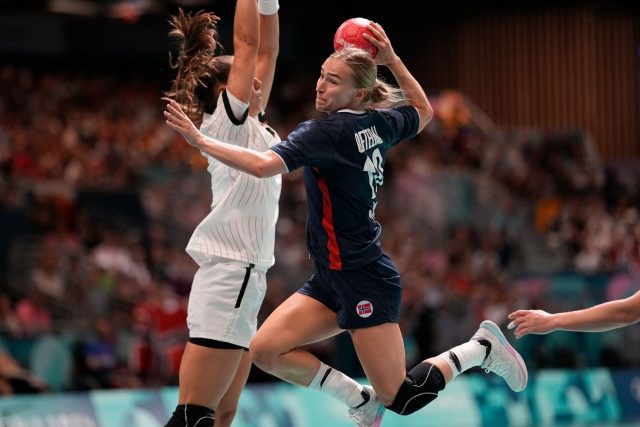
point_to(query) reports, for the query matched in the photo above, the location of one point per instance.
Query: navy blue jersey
(343, 155)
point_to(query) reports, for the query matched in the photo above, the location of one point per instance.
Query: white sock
(338, 385)
(468, 355)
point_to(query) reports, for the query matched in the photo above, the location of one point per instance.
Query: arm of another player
(413, 91)
(599, 318)
(246, 38)
(269, 46)
(253, 162)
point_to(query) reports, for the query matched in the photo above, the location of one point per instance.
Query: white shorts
(224, 301)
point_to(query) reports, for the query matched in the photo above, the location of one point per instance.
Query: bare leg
(206, 374)
(228, 406)
(297, 321)
(383, 364)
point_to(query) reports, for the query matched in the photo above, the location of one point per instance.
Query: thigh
(206, 374)
(298, 321)
(384, 364)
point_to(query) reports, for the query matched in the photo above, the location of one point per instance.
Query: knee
(420, 387)
(264, 354)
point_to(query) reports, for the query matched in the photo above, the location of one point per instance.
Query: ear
(219, 88)
(360, 94)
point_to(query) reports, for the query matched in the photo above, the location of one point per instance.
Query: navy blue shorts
(367, 296)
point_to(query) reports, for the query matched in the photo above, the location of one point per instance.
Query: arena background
(523, 192)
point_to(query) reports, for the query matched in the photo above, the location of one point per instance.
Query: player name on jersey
(367, 138)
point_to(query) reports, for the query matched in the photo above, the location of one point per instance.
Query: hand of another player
(386, 55)
(530, 322)
(177, 120)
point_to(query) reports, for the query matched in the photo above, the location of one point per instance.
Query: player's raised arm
(269, 46)
(412, 90)
(246, 39)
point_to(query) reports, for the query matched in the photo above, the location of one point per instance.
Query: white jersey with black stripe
(244, 209)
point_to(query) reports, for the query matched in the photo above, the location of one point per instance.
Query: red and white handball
(349, 34)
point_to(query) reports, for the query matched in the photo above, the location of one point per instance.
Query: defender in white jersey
(236, 238)
(233, 245)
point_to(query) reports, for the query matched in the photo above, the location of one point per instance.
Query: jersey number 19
(373, 167)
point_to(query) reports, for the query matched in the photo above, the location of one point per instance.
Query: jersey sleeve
(310, 144)
(404, 122)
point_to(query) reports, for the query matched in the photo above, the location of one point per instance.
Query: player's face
(334, 89)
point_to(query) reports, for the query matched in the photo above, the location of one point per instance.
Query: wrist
(201, 141)
(555, 321)
(268, 7)
(395, 61)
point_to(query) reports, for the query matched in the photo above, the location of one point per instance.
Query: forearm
(259, 164)
(268, 54)
(602, 317)
(245, 25)
(413, 91)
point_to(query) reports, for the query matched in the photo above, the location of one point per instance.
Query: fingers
(175, 109)
(517, 313)
(517, 319)
(377, 28)
(378, 38)
(176, 118)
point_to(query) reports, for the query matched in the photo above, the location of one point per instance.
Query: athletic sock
(465, 356)
(189, 415)
(338, 385)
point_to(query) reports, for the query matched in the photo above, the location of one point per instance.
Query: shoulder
(322, 126)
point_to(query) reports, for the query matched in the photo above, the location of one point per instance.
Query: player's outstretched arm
(255, 163)
(599, 318)
(269, 46)
(246, 39)
(412, 90)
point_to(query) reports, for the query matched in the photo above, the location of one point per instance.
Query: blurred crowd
(98, 199)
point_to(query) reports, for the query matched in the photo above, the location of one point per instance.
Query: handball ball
(349, 34)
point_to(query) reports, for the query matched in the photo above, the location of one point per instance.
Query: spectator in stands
(33, 314)
(9, 323)
(14, 379)
(100, 355)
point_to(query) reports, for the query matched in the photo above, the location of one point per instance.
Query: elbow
(269, 47)
(249, 42)
(426, 114)
(268, 55)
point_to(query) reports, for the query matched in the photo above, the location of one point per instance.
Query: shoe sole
(495, 330)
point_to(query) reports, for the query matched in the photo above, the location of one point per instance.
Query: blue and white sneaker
(370, 412)
(502, 359)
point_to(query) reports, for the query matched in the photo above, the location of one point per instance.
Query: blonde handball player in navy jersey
(233, 245)
(355, 286)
